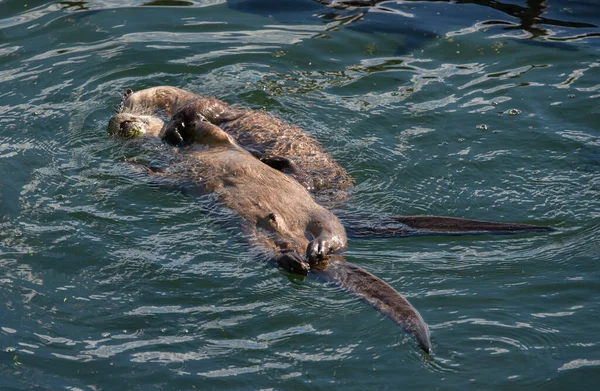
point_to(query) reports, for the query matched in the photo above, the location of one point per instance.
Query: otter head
(189, 127)
(129, 125)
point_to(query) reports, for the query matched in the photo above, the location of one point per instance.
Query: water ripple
(431, 111)
(580, 363)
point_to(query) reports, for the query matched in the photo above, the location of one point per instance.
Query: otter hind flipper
(459, 226)
(380, 295)
(399, 226)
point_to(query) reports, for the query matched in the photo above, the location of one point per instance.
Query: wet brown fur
(275, 207)
(256, 130)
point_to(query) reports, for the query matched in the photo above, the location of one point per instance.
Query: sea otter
(264, 134)
(278, 212)
(291, 149)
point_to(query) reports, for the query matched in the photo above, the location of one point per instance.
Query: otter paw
(317, 251)
(173, 137)
(128, 92)
(292, 263)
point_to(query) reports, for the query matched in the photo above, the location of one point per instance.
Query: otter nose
(124, 125)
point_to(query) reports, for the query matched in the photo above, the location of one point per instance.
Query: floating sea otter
(289, 148)
(277, 211)
(266, 136)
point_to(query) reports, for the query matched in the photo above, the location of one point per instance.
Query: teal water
(473, 109)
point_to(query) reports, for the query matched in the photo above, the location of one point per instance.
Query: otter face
(127, 125)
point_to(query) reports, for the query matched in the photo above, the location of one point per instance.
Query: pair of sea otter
(265, 170)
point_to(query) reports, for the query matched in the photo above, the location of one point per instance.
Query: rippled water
(476, 109)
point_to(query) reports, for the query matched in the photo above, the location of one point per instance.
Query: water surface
(473, 109)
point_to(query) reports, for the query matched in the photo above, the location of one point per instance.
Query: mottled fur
(255, 130)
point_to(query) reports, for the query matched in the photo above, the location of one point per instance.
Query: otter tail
(380, 295)
(437, 225)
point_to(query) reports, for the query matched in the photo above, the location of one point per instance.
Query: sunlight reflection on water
(107, 273)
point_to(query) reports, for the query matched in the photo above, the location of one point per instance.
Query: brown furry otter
(285, 146)
(267, 199)
(279, 213)
(266, 134)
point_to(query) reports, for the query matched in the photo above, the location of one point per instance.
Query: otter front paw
(291, 262)
(317, 251)
(320, 248)
(172, 136)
